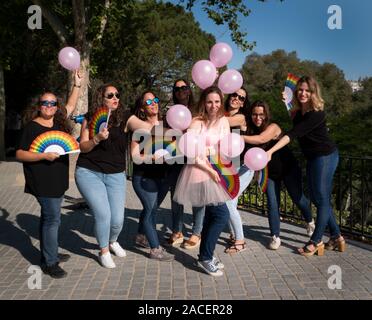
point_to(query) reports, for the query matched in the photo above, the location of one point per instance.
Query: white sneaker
(106, 260)
(117, 249)
(310, 227)
(218, 263)
(274, 243)
(209, 267)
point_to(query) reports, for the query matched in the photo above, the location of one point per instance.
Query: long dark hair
(201, 104)
(191, 102)
(252, 128)
(243, 110)
(139, 104)
(59, 118)
(117, 116)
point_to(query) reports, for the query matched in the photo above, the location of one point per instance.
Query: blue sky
(301, 26)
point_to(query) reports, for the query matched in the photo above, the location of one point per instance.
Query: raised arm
(273, 131)
(72, 100)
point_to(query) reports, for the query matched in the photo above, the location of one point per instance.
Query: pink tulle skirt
(195, 187)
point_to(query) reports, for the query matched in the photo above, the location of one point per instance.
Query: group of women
(101, 179)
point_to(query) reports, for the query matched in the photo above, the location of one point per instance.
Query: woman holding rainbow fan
(47, 173)
(100, 169)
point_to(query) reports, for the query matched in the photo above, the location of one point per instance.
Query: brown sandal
(236, 247)
(189, 244)
(231, 239)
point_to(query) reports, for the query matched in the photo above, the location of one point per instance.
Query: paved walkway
(257, 273)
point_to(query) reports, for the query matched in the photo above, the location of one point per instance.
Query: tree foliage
(348, 114)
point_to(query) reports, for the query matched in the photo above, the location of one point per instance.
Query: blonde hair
(317, 102)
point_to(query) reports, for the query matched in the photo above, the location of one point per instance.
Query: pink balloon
(192, 145)
(232, 145)
(255, 159)
(179, 117)
(69, 58)
(220, 55)
(204, 73)
(230, 81)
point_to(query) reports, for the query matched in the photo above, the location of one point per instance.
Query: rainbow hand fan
(228, 175)
(289, 88)
(54, 141)
(99, 121)
(162, 148)
(263, 179)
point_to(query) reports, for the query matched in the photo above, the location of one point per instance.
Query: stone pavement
(257, 273)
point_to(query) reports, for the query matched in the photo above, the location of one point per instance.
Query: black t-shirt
(151, 170)
(109, 156)
(43, 178)
(311, 131)
(282, 161)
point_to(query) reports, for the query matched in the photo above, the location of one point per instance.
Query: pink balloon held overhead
(69, 58)
(204, 73)
(179, 117)
(221, 54)
(255, 159)
(230, 81)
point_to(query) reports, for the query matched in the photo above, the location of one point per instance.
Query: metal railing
(351, 197)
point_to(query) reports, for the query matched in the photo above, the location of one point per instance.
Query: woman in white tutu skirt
(198, 184)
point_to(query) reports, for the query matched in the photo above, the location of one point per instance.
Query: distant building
(355, 85)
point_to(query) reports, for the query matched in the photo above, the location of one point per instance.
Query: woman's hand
(102, 135)
(269, 154)
(78, 78)
(50, 156)
(214, 175)
(284, 96)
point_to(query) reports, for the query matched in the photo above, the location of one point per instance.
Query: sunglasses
(111, 95)
(47, 103)
(182, 88)
(235, 95)
(258, 115)
(150, 101)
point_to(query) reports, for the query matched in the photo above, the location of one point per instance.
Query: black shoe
(55, 271)
(63, 257)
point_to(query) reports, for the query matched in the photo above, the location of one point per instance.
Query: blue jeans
(178, 209)
(151, 193)
(236, 225)
(50, 220)
(293, 183)
(320, 172)
(216, 218)
(105, 195)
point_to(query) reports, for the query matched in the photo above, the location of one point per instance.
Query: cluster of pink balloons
(204, 72)
(69, 58)
(255, 159)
